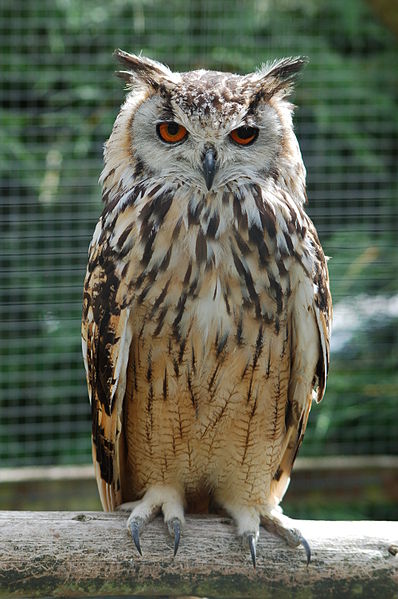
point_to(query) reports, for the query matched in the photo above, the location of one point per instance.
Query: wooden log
(90, 554)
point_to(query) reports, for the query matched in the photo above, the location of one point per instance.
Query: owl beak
(209, 167)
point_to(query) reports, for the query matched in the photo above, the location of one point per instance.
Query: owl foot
(156, 499)
(275, 522)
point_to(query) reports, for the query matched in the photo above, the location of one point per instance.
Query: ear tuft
(278, 77)
(286, 68)
(141, 70)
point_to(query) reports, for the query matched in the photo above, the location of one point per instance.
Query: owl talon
(307, 549)
(252, 545)
(135, 533)
(175, 530)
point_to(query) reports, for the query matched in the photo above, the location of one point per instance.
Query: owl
(206, 312)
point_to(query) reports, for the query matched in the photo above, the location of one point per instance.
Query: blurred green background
(58, 100)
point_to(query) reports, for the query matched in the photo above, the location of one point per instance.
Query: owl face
(206, 129)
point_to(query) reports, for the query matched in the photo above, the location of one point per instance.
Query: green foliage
(58, 102)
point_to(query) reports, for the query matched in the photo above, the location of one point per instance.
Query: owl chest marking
(216, 256)
(200, 325)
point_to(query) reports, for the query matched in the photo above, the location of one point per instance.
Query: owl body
(206, 305)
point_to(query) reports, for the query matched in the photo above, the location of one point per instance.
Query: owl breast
(208, 373)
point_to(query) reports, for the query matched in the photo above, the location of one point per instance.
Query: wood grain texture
(89, 554)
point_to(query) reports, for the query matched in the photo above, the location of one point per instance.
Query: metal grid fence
(58, 99)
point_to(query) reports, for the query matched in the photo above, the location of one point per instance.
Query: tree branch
(90, 554)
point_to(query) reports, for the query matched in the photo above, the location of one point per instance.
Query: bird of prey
(207, 309)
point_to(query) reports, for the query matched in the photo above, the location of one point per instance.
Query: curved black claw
(252, 545)
(177, 534)
(135, 533)
(307, 549)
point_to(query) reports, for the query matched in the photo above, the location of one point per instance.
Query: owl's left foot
(157, 498)
(275, 522)
(248, 520)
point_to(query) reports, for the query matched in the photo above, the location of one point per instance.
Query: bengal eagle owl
(206, 301)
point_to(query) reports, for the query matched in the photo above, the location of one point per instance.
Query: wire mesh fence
(58, 101)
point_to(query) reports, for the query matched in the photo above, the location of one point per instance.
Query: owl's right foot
(157, 498)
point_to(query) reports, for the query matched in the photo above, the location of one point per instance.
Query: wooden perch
(75, 554)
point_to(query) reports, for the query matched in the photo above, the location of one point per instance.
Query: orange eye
(171, 132)
(244, 136)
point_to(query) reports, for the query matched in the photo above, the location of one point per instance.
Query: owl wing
(310, 330)
(106, 339)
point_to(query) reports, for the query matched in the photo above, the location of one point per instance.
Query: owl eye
(171, 132)
(244, 136)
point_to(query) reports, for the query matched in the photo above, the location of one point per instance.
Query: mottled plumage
(207, 310)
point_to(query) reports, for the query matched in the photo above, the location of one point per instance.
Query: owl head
(205, 129)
